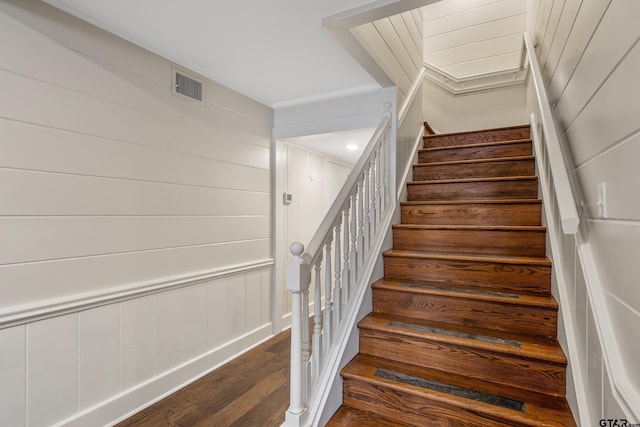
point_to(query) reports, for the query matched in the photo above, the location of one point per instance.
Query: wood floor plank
(251, 390)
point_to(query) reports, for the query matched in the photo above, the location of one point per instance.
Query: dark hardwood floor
(252, 390)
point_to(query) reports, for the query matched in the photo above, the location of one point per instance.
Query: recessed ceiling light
(352, 147)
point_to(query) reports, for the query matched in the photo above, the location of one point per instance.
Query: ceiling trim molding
(478, 83)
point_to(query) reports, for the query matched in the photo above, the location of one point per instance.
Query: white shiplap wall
(396, 45)
(591, 63)
(467, 39)
(110, 186)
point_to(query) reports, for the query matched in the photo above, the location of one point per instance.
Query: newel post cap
(298, 276)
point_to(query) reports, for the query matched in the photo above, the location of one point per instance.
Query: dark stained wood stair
(463, 329)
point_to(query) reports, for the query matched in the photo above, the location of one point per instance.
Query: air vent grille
(187, 86)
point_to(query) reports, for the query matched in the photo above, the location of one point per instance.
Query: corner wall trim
(20, 315)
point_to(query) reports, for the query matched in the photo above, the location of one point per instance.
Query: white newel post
(298, 279)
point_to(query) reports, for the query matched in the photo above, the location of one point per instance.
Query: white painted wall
(135, 225)
(591, 62)
(454, 113)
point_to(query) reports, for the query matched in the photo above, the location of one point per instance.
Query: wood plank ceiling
(470, 38)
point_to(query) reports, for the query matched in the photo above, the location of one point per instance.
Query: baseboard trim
(124, 405)
(20, 315)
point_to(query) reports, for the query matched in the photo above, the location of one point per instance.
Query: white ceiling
(468, 38)
(272, 51)
(335, 144)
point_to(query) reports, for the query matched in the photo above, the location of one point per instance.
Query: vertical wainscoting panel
(265, 291)
(13, 371)
(52, 370)
(138, 331)
(98, 354)
(168, 330)
(193, 321)
(594, 368)
(237, 309)
(218, 330)
(253, 299)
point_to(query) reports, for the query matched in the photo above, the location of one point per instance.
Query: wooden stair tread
(471, 227)
(474, 161)
(471, 201)
(348, 416)
(505, 259)
(469, 180)
(531, 347)
(475, 145)
(538, 409)
(455, 291)
(466, 132)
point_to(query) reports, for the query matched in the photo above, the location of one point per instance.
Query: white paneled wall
(591, 59)
(135, 225)
(396, 45)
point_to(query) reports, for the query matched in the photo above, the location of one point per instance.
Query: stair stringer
(329, 397)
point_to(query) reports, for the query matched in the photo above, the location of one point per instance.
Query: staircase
(463, 326)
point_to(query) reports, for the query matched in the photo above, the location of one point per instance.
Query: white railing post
(297, 283)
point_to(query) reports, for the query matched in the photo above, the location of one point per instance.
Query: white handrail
(342, 198)
(569, 216)
(339, 258)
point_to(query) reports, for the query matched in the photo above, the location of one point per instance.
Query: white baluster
(378, 202)
(346, 272)
(375, 191)
(337, 290)
(328, 300)
(317, 322)
(384, 168)
(297, 281)
(361, 209)
(354, 232)
(367, 207)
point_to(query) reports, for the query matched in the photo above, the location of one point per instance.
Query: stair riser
(494, 242)
(473, 214)
(519, 189)
(467, 312)
(477, 137)
(474, 170)
(509, 278)
(476, 153)
(534, 375)
(410, 408)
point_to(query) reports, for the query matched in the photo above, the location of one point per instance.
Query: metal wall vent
(186, 85)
